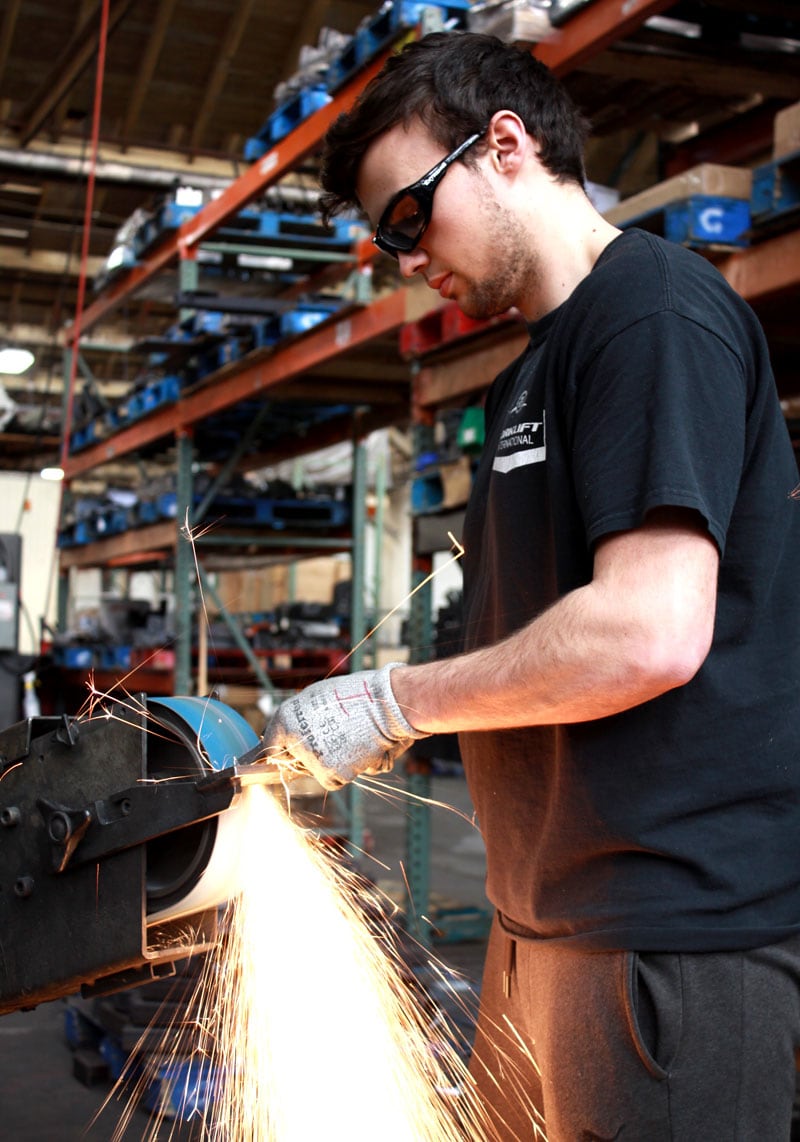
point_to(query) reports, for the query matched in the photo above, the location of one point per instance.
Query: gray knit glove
(341, 727)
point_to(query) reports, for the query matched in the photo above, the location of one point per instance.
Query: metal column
(418, 780)
(357, 613)
(184, 567)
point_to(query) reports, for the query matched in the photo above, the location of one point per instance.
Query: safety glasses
(408, 213)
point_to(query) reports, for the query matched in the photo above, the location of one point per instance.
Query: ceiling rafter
(219, 75)
(147, 67)
(68, 68)
(59, 114)
(177, 119)
(7, 32)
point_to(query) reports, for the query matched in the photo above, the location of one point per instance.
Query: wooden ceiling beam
(59, 113)
(219, 75)
(116, 339)
(147, 67)
(68, 68)
(7, 32)
(52, 262)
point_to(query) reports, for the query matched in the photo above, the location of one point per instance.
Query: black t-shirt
(674, 825)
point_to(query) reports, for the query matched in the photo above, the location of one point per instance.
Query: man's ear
(508, 141)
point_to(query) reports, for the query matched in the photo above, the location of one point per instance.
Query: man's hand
(340, 728)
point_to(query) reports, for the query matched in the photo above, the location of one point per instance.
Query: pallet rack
(364, 334)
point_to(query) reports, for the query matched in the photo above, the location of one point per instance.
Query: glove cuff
(396, 720)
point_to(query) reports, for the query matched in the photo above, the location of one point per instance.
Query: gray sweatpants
(595, 1045)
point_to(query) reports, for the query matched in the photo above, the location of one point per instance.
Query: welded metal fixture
(117, 837)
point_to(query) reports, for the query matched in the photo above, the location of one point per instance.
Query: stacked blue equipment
(163, 390)
(253, 225)
(701, 220)
(284, 120)
(388, 22)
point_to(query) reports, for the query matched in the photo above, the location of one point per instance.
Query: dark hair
(454, 82)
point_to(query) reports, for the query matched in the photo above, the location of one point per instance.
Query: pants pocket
(654, 996)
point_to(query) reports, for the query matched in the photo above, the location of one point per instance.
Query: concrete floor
(41, 1101)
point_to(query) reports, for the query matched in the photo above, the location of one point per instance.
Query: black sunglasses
(406, 218)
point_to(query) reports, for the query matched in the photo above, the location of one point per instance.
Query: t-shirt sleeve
(658, 419)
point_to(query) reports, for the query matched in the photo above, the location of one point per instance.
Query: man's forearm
(551, 672)
(641, 627)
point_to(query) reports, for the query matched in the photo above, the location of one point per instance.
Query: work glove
(339, 728)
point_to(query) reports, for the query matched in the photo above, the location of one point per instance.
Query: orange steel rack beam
(765, 270)
(275, 163)
(588, 33)
(320, 344)
(593, 29)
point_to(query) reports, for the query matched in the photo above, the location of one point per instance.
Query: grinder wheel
(190, 868)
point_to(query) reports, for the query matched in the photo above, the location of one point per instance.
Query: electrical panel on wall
(10, 563)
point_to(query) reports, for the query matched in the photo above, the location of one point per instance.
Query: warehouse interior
(237, 455)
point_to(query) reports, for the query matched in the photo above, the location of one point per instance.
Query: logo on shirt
(519, 404)
(521, 443)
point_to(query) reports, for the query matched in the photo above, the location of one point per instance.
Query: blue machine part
(194, 868)
(698, 221)
(305, 317)
(183, 1089)
(708, 220)
(222, 732)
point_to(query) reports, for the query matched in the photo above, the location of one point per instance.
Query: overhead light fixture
(54, 474)
(673, 27)
(14, 361)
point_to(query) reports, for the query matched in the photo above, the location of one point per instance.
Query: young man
(628, 701)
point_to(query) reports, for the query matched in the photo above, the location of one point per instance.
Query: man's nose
(412, 262)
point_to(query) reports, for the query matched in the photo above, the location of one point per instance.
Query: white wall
(29, 506)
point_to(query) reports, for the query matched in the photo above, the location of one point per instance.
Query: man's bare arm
(641, 627)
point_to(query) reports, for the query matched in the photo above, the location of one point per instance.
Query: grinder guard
(108, 827)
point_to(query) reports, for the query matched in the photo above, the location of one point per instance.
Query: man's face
(470, 241)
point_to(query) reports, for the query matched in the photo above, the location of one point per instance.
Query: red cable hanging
(75, 332)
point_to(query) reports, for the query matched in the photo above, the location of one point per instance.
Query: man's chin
(479, 309)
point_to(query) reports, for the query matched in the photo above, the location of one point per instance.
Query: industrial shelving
(362, 340)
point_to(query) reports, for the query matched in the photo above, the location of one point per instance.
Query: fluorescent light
(674, 27)
(188, 196)
(15, 361)
(264, 262)
(54, 474)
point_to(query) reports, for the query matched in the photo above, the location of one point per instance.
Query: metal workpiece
(117, 842)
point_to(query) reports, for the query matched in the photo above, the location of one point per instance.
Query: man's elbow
(674, 656)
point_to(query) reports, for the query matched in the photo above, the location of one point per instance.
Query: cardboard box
(261, 588)
(786, 134)
(456, 482)
(706, 179)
